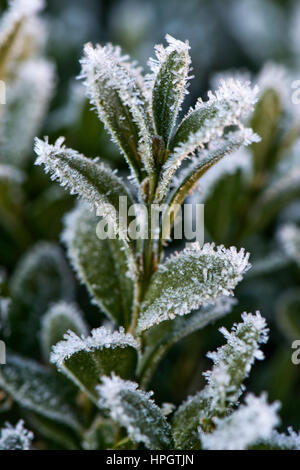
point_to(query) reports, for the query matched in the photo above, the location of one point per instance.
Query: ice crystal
(245, 427)
(15, 437)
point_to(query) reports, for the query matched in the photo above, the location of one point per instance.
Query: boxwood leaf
(232, 364)
(92, 181)
(206, 122)
(195, 277)
(102, 265)
(135, 410)
(113, 87)
(169, 84)
(41, 277)
(60, 318)
(40, 390)
(85, 360)
(200, 164)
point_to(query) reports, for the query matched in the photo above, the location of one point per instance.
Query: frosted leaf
(196, 276)
(209, 166)
(91, 180)
(275, 77)
(113, 87)
(158, 339)
(27, 95)
(60, 318)
(12, 30)
(245, 427)
(289, 441)
(100, 338)
(289, 236)
(15, 437)
(84, 360)
(104, 266)
(42, 276)
(135, 410)
(40, 390)
(232, 364)
(233, 101)
(283, 187)
(239, 160)
(168, 83)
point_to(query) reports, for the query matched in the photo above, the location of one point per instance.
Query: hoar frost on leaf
(168, 84)
(15, 437)
(113, 87)
(196, 276)
(135, 410)
(245, 427)
(99, 338)
(232, 364)
(91, 180)
(28, 95)
(232, 101)
(290, 441)
(233, 361)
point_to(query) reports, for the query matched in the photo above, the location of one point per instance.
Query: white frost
(15, 437)
(99, 338)
(245, 427)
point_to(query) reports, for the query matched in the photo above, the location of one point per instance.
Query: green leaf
(160, 338)
(134, 410)
(200, 164)
(195, 277)
(40, 390)
(85, 360)
(91, 180)
(278, 193)
(170, 77)
(101, 435)
(27, 95)
(232, 364)
(205, 123)
(102, 265)
(60, 318)
(41, 277)
(266, 121)
(114, 88)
